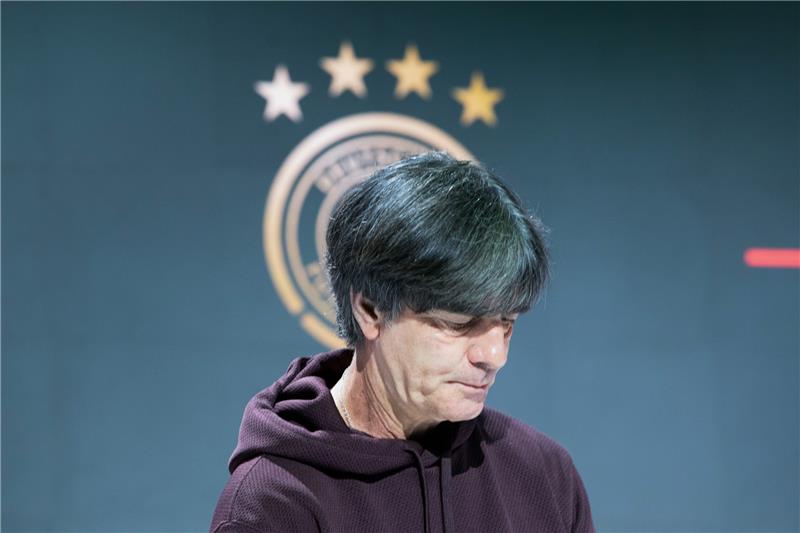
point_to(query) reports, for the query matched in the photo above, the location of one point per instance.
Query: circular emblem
(308, 184)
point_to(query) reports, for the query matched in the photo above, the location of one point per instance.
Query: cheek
(439, 361)
(427, 359)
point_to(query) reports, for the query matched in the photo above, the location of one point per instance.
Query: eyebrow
(461, 318)
(465, 319)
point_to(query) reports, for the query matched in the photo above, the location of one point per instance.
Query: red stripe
(772, 257)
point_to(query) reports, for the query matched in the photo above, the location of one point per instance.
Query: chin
(466, 414)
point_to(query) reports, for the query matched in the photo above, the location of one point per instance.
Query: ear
(368, 318)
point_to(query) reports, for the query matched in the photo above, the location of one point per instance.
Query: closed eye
(475, 324)
(458, 327)
(463, 327)
(451, 326)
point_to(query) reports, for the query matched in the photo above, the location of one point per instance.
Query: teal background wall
(657, 141)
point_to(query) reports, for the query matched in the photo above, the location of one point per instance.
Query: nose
(489, 347)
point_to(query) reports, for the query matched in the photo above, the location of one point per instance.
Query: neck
(366, 403)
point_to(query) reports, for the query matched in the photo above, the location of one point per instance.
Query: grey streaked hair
(431, 232)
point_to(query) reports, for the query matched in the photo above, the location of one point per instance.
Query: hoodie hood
(296, 418)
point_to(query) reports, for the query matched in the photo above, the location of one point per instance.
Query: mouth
(473, 386)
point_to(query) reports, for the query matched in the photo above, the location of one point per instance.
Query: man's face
(439, 365)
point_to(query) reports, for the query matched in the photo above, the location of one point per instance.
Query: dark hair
(432, 232)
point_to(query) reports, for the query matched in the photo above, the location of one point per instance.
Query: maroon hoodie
(298, 467)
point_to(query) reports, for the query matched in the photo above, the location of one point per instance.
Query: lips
(474, 386)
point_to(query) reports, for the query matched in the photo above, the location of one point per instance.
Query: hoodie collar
(296, 418)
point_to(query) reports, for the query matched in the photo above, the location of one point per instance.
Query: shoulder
(262, 495)
(512, 436)
(529, 458)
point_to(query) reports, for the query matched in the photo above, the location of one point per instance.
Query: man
(430, 261)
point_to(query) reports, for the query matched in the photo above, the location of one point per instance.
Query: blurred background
(658, 142)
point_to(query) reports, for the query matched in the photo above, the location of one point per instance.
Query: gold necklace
(346, 416)
(344, 412)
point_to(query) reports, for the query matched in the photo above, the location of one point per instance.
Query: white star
(283, 96)
(347, 71)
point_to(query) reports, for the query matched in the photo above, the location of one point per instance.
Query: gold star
(478, 101)
(412, 73)
(283, 96)
(347, 71)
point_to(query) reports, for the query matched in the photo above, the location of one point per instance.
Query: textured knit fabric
(298, 467)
